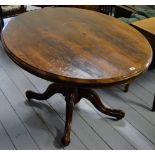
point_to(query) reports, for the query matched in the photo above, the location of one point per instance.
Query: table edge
(73, 81)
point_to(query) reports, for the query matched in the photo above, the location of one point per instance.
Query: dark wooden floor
(40, 125)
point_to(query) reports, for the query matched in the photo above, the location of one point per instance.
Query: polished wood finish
(73, 96)
(76, 49)
(101, 51)
(147, 25)
(87, 7)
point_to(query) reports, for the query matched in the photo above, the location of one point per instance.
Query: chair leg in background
(126, 87)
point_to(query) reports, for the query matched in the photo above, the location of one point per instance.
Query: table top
(147, 25)
(76, 46)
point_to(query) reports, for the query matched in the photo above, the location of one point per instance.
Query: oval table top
(76, 46)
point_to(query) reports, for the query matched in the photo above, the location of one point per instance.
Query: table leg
(72, 96)
(51, 90)
(126, 87)
(70, 102)
(95, 100)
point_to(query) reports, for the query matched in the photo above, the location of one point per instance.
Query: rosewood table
(78, 50)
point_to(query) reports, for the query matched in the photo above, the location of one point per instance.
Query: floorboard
(5, 140)
(115, 99)
(40, 125)
(58, 105)
(23, 84)
(123, 143)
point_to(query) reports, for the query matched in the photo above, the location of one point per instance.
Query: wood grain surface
(76, 46)
(147, 25)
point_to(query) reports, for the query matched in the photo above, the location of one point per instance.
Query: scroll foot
(95, 100)
(51, 90)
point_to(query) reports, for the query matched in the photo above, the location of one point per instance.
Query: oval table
(78, 50)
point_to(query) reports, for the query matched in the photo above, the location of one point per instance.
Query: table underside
(72, 96)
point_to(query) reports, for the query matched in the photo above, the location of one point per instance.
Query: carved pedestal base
(72, 96)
